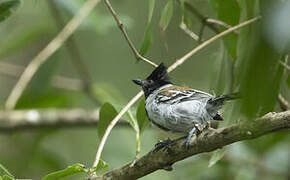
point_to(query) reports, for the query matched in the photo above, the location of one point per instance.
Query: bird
(179, 109)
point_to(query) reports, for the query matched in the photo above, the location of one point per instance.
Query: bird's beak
(138, 82)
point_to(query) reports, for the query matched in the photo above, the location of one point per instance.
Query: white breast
(177, 117)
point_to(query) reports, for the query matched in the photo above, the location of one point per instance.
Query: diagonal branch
(200, 17)
(284, 104)
(188, 31)
(43, 55)
(285, 65)
(206, 43)
(207, 141)
(122, 28)
(205, 21)
(171, 68)
(112, 124)
(220, 23)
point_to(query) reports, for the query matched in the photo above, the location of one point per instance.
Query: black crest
(155, 80)
(160, 74)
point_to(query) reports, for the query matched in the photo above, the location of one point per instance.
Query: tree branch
(18, 120)
(205, 21)
(220, 23)
(200, 17)
(285, 65)
(284, 104)
(122, 28)
(209, 41)
(207, 141)
(188, 31)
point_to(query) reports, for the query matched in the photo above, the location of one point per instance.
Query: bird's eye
(150, 81)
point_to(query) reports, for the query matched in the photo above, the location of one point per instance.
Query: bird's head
(158, 78)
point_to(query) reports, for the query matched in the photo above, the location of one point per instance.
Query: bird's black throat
(150, 89)
(158, 78)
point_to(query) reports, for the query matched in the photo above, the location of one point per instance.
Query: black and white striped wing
(177, 96)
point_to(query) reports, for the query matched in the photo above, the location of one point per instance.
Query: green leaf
(288, 81)
(186, 19)
(151, 9)
(147, 41)
(228, 11)
(148, 37)
(166, 15)
(6, 177)
(216, 156)
(141, 115)
(261, 77)
(101, 165)
(246, 35)
(132, 120)
(7, 8)
(220, 83)
(69, 171)
(107, 114)
(4, 171)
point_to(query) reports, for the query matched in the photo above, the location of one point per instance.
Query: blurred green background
(112, 66)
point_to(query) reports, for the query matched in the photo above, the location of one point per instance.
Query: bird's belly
(180, 117)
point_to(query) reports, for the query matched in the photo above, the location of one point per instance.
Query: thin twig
(171, 68)
(188, 31)
(122, 28)
(200, 16)
(220, 23)
(285, 65)
(205, 21)
(284, 104)
(43, 55)
(201, 31)
(112, 124)
(74, 53)
(180, 61)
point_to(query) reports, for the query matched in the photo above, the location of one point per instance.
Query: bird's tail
(217, 102)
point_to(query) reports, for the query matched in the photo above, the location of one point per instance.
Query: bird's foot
(187, 143)
(167, 143)
(194, 131)
(163, 144)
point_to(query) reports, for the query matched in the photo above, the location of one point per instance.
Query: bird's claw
(162, 144)
(187, 144)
